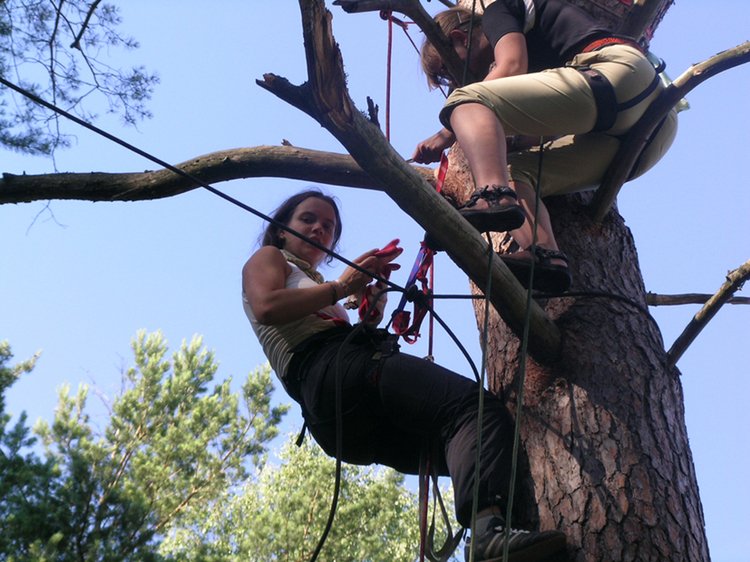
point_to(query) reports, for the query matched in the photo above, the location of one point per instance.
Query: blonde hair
(432, 62)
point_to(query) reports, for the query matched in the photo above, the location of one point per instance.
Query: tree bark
(254, 162)
(604, 429)
(605, 448)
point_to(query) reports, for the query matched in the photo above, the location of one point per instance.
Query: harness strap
(400, 319)
(607, 41)
(607, 106)
(604, 97)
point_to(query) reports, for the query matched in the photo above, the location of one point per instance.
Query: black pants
(395, 406)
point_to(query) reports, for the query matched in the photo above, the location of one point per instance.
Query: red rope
(391, 19)
(389, 63)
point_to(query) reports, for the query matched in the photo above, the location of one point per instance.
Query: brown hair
(283, 214)
(432, 62)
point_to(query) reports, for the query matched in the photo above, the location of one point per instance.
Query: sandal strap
(546, 255)
(490, 193)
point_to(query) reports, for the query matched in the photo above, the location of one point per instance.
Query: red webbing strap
(424, 500)
(442, 171)
(368, 312)
(402, 323)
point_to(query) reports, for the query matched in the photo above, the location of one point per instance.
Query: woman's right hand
(430, 149)
(352, 280)
(376, 261)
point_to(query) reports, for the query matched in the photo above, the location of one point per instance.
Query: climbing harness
(401, 320)
(607, 106)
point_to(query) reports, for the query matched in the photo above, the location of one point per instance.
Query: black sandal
(548, 277)
(495, 217)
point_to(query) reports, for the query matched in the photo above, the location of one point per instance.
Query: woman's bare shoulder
(267, 256)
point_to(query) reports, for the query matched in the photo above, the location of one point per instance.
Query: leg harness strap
(607, 107)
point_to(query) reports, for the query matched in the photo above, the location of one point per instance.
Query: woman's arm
(511, 56)
(264, 283)
(430, 149)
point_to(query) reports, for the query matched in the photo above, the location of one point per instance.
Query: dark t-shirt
(555, 30)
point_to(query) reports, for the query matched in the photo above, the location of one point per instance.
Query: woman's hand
(352, 280)
(366, 299)
(377, 261)
(430, 149)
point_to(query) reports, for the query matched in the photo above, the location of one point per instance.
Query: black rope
(197, 181)
(522, 363)
(339, 413)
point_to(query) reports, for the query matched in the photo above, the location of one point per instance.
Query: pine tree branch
(655, 299)
(76, 44)
(734, 282)
(325, 98)
(260, 161)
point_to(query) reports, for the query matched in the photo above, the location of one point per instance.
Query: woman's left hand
(368, 299)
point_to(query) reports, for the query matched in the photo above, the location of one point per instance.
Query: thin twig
(76, 44)
(655, 299)
(734, 282)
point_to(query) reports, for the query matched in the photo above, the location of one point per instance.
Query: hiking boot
(523, 546)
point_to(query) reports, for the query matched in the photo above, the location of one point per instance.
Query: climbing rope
(194, 179)
(197, 181)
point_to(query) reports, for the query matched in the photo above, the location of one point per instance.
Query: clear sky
(79, 279)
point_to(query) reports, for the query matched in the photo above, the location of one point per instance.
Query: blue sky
(79, 279)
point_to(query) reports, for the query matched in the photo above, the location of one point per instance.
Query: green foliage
(171, 441)
(53, 49)
(26, 482)
(281, 516)
(180, 472)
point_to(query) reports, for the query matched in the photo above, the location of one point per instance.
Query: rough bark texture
(602, 430)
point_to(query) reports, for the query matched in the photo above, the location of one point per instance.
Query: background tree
(27, 483)
(59, 51)
(281, 515)
(171, 440)
(180, 473)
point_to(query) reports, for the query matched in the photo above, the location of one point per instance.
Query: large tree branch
(260, 161)
(636, 139)
(734, 282)
(325, 98)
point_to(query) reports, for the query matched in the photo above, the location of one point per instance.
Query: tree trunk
(604, 429)
(603, 434)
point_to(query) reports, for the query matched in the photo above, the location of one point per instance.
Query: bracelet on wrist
(335, 291)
